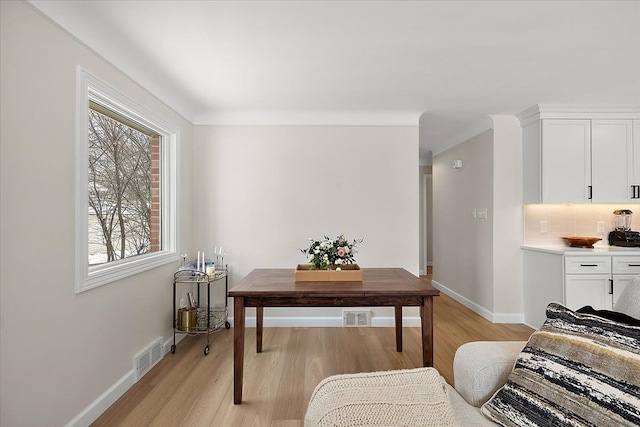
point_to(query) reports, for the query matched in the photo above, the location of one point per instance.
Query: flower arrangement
(326, 253)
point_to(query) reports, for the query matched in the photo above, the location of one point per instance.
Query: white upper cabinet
(588, 155)
(566, 161)
(612, 158)
(635, 173)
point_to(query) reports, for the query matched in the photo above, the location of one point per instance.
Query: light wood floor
(190, 389)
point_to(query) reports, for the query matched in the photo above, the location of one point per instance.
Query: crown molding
(569, 111)
(310, 118)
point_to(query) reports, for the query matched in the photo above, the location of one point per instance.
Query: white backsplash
(572, 220)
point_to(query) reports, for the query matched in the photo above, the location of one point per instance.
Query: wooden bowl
(581, 242)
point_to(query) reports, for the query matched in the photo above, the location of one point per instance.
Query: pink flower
(341, 252)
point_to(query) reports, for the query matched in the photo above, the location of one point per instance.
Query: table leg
(238, 348)
(259, 324)
(398, 328)
(426, 315)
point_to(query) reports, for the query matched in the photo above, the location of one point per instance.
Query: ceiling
(447, 65)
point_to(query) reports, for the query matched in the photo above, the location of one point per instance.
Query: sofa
(581, 368)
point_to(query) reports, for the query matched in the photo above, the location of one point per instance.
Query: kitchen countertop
(597, 250)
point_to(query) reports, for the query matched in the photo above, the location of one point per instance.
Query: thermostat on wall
(457, 164)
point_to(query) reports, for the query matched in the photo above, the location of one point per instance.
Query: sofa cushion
(465, 414)
(578, 369)
(482, 367)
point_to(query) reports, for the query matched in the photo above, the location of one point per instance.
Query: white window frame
(88, 277)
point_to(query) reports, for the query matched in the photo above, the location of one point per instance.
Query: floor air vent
(351, 318)
(147, 358)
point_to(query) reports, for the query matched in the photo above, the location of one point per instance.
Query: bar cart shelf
(209, 318)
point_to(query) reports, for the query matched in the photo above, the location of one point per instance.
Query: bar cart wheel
(173, 348)
(206, 350)
(227, 325)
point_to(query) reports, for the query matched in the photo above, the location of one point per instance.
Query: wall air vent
(356, 318)
(147, 358)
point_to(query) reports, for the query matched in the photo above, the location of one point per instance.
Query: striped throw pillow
(579, 369)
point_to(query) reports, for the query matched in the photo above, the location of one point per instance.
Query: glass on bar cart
(218, 252)
(184, 265)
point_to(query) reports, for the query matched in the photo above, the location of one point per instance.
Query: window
(126, 186)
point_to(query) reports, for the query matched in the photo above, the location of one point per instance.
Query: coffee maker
(622, 234)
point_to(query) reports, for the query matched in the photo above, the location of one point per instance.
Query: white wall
(60, 351)
(507, 219)
(463, 246)
(262, 191)
(479, 261)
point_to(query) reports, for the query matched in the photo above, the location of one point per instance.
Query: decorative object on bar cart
(214, 267)
(330, 260)
(218, 264)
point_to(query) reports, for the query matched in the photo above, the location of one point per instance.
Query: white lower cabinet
(597, 280)
(574, 280)
(587, 281)
(625, 268)
(588, 289)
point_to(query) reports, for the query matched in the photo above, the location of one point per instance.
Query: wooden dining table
(380, 287)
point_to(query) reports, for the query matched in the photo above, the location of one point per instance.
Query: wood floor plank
(190, 389)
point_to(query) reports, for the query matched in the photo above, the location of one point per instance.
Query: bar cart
(205, 319)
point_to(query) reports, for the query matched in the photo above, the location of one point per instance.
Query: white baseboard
(102, 403)
(508, 318)
(490, 316)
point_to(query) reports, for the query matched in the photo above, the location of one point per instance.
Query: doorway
(426, 219)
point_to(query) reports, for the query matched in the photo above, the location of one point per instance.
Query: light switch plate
(544, 226)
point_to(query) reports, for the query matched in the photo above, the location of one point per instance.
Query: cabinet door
(611, 160)
(588, 289)
(620, 282)
(566, 161)
(635, 178)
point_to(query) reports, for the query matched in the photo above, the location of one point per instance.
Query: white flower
(316, 251)
(346, 249)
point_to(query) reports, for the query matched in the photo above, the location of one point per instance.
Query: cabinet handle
(590, 192)
(633, 265)
(634, 191)
(588, 265)
(610, 286)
